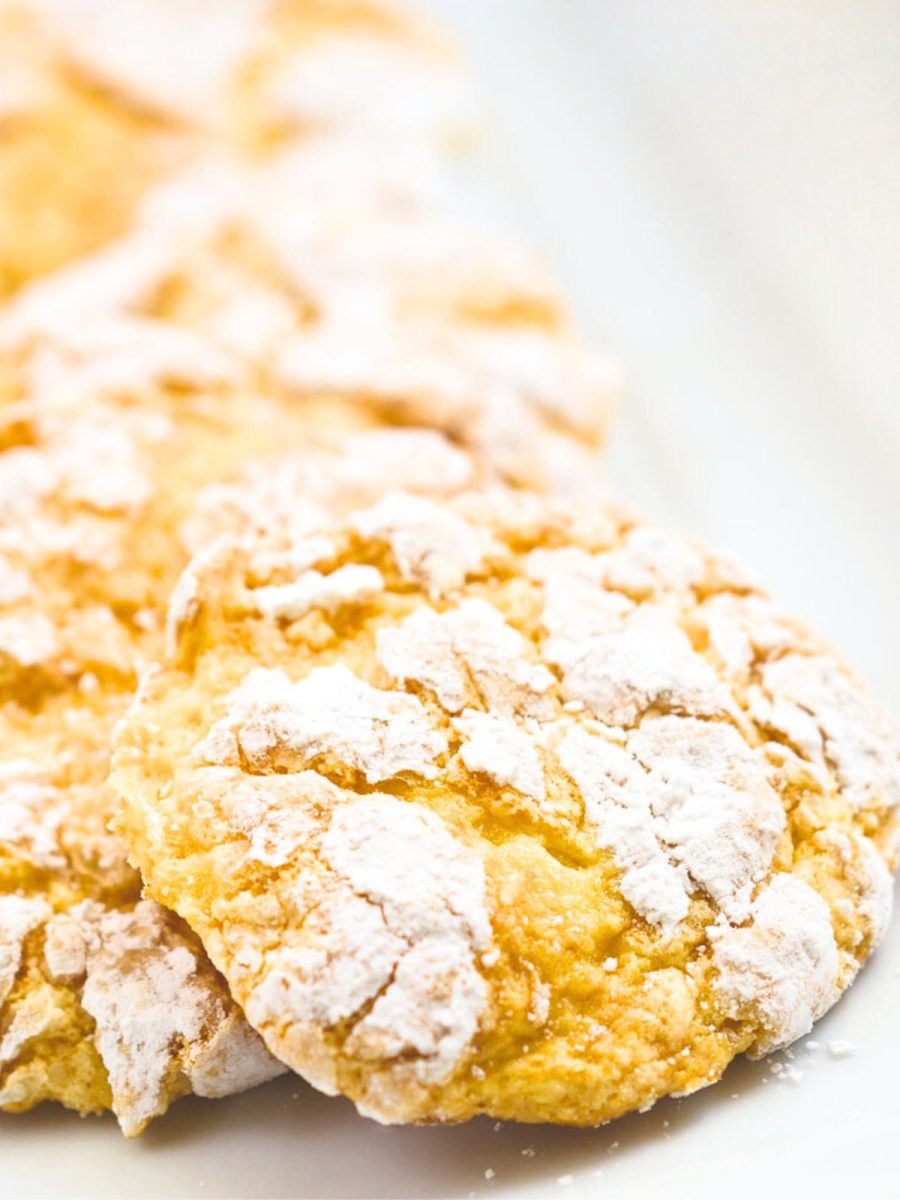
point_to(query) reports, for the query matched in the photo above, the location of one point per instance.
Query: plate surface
(718, 185)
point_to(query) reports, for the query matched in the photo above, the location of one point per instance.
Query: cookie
(100, 101)
(346, 282)
(502, 805)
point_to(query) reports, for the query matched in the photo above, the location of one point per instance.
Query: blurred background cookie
(99, 101)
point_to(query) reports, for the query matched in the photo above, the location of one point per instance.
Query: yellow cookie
(496, 805)
(99, 101)
(337, 281)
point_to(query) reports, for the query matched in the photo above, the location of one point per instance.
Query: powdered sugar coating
(618, 808)
(293, 495)
(333, 85)
(716, 812)
(312, 589)
(651, 560)
(466, 654)
(189, 66)
(399, 921)
(263, 809)
(428, 372)
(65, 949)
(619, 659)
(19, 915)
(330, 716)
(782, 968)
(31, 813)
(29, 639)
(852, 737)
(428, 867)
(159, 1000)
(876, 902)
(161, 1021)
(432, 547)
(131, 47)
(498, 747)
(99, 460)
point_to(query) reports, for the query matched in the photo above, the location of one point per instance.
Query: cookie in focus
(496, 805)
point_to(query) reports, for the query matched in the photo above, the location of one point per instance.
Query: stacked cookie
(348, 728)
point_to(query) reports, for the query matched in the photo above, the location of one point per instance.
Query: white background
(718, 185)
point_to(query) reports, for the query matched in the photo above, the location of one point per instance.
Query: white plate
(831, 1134)
(718, 183)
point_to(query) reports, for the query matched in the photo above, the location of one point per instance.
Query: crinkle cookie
(494, 805)
(99, 100)
(342, 280)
